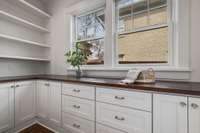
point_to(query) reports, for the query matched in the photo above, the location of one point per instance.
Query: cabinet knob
(76, 106)
(119, 118)
(194, 105)
(76, 126)
(183, 104)
(119, 98)
(76, 90)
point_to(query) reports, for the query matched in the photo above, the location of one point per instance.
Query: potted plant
(76, 58)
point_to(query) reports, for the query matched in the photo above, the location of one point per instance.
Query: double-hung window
(142, 31)
(90, 31)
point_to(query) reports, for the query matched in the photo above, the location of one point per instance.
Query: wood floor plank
(36, 128)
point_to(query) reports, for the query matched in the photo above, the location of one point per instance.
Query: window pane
(124, 9)
(94, 50)
(81, 31)
(140, 13)
(100, 24)
(90, 34)
(158, 11)
(91, 25)
(144, 47)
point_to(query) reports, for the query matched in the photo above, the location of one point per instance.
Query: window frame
(75, 31)
(169, 24)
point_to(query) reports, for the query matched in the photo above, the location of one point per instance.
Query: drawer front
(81, 91)
(137, 100)
(128, 120)
(72, 124)
(79, 107)
(104, 129)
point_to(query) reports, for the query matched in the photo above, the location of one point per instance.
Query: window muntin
(90, 30)
(142, 31)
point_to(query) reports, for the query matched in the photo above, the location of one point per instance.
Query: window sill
(158, 69)
(162, 73)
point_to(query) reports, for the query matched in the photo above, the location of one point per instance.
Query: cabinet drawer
(104, 129)
(81, 91)
(72, 124)
(137, 100)
(79, 107)
(128, 120)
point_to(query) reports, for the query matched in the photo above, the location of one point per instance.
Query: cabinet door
(6, 106)
(194, 115)
(54, 109)
(42, 99)
(24, 101)
(170, 114)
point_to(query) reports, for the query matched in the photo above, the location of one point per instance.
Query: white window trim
(170, 44)
(180, 69)
(75, 40)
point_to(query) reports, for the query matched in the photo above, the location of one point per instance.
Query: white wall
(195, 40)
(59, 36)
(60, 39)
(18, 68)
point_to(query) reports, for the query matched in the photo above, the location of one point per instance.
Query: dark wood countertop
(187, 88)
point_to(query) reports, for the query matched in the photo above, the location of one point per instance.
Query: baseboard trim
(25, 127)
(16, 130)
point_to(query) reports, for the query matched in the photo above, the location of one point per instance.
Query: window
(142, 31)
(90, 30)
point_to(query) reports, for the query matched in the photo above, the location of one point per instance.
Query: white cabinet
(170, 114)
(78, 107)
(42, 99)
(128, 120)
(72, 124)
(49, 101)
(54, 99)
(194, 115)
(6, 106)
(81, 91)
(24, 101)
(130, 99)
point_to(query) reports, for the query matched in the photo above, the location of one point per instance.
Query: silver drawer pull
(12, 86)
(47, 84)
(17, 86)
(119, 118)
(119, 98)
(76, 126)
(183, 104)
(194, 105)
(76, 106)
(76, 90)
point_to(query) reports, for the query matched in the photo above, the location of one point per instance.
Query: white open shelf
(24, 58)
(33, 8)
(23, 22)
(23, 41)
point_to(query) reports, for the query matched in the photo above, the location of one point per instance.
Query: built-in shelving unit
(33, 8)
(36, 27)
(24, 58)
(23, 41)
(23, 22)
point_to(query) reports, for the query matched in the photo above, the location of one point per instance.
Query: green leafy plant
(76, 57)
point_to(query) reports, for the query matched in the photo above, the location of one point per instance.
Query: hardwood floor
(36, 129)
